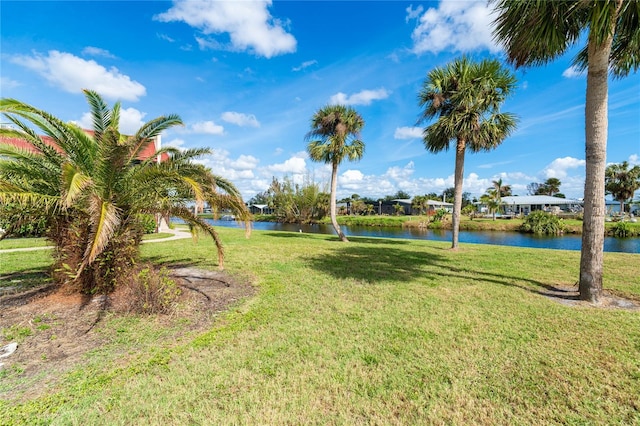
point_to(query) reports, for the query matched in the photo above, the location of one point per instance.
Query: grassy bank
(376, 331)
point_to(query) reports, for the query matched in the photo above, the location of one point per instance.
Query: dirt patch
(570, 296)
(55, 330)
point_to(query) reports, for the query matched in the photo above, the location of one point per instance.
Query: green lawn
(376, 331)
(14, 243)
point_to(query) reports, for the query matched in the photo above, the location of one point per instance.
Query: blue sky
(247, 76)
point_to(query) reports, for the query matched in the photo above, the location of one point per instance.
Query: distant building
(528, 203)
(148, 152)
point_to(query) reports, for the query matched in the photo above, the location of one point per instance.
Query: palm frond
(104, 221)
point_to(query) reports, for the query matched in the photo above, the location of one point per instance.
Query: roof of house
(538, 199)
(147, 152)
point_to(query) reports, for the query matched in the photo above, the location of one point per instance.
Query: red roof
(147, 152)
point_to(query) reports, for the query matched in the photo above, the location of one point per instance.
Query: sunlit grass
(376, 331)
(13, 243)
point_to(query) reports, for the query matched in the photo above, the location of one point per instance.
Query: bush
(148, 223)
(439, 215)
(543, 223)
(22, 222)
(621, 229)
(152, 292)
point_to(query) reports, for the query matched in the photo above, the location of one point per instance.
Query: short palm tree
(334, 137)
(94, 187)
(622, 182)
(492, 200)
(465, 97)
(535, 33)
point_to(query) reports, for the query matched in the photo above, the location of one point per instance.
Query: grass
(157, 236)
(377, 331)
(14, 243)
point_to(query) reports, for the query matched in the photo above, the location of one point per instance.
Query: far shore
(572, 226)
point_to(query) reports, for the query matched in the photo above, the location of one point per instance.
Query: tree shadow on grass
(24, 279)
(527, 284)
(375, 264)
(19, 287)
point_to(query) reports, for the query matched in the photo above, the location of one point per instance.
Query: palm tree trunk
(457, 193)
(334, 190)
(591, 254)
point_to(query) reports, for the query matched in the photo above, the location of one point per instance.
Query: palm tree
(465, 96)
(94, 187)
(535, 33)
(334, 136)
(502, 190)
(493, 201)
(622, 182)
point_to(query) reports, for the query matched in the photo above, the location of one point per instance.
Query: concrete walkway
(177, 235)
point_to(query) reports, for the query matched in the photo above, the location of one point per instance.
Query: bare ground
(55, 331)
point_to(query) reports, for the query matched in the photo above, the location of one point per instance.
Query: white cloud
(294, 165)
(130, 121)
(413, 13)
(558, 168)
(572, 72)
(249, 25)
(72, 74)
(244, 162)
(304, 65)
(238, 171)
(206, 43)
(455, 25)
(492, 165)
(634, 160)
(400, 173)
(208, 127)
(96, 51)
(351, 177)
(175, 143)
(365, 97)
(240, 119)
(165, 37)
(408, 133)
(6, 83)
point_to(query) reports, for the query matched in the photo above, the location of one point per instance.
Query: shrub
(21, 222)
(541, 223)
(151, 292)
(148, 223)
(439, 215)
(621, 229)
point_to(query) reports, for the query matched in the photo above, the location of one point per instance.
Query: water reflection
(565, 242)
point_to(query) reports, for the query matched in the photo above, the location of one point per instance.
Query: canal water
(565, 242)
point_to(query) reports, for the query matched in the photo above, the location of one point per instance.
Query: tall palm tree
(535, 33)
(93, 187)
(622, 182)
(335, 136)
(465, 97)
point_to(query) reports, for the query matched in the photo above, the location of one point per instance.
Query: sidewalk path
(177, 235)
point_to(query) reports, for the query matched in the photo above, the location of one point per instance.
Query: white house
(528, 203)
